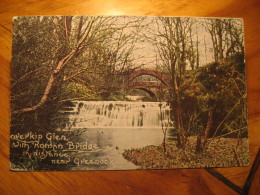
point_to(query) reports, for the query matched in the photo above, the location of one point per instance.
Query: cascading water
(114, 126)
(102, 114)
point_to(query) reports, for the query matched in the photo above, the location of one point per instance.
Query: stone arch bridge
(153, 88)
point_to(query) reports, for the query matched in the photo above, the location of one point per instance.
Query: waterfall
(102, 114)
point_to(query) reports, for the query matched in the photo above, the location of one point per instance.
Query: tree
(68, 46)
(174, 45)
(223, 97)
(106, 62)
(202, 97)
(226, 36)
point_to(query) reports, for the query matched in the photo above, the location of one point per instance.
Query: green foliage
(37, 46)
(40, 43)
(220, 88)
(77, 91)
(31, 52)
(116, 97)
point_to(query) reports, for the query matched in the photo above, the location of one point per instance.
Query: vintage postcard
(127, 92)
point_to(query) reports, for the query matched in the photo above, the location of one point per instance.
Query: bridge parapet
(164, 77)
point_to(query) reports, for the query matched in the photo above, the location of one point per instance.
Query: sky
(146, 53)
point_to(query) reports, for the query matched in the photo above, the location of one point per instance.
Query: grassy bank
(223, 152)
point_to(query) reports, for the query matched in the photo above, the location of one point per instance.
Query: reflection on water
(114, 127)
(111, 143)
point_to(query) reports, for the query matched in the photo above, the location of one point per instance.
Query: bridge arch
(163, 77)
(153, 88)
(149, 91)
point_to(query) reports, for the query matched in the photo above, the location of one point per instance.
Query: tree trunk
(208, 128)
(56, 71)
(199, 148)
(201, 142)
(46, 91)
(180, 136)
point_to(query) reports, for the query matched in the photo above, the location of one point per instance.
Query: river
(114, 126)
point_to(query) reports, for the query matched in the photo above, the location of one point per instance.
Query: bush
(78, 91)
(218, 88)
